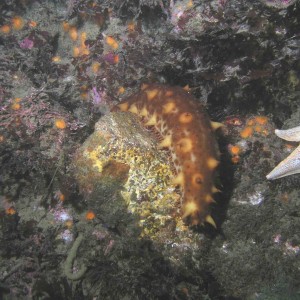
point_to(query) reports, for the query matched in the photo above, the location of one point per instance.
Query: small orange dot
(258, 128)
(95, 67)
(83, 38)
(190, 4)
(18, 99)
(90, 215)
(1, 138)
(185, 117)
(116, 59)
(60, 124)
(112, 42)
(56, 59)
(32, 24)
(73, 33)
(251, 122)
(16, 106)
(10, 211)
(85, 51)
(5, 29)
(17, 23)
(66, 26)
(76, 51)
(246, 132)
(261, 120)
(235, 150)
(69, 223)
(187, 88)
(121, 90)
(289, 147)
(265, 132)
(61, 197)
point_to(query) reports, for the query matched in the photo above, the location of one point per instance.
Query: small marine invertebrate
(10, 211)
(17, 23)
(188, 133)
(90, 215)
(95, 67)
(15, 106)
(112, 42)
(246, 132)
(256, 124)
(59, 196)
(235, 151)
(290, 165)
(5, 29)
(32, 23)
(73, 33)
(68, 267)
(60, 123)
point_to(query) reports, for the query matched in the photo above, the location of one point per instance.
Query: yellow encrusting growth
(132, 171)
(94, 157)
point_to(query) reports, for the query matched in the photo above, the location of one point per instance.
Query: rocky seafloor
(87, 210)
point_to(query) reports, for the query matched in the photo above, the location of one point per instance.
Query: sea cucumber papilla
(188, 133)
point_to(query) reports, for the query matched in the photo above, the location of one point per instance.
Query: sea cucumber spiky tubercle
(188, 133)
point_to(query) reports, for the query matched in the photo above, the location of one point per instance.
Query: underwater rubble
(87, 208)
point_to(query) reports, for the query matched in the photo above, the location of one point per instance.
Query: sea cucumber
(188, 133)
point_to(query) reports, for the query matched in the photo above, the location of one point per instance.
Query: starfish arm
(292, 135)
(289, 166)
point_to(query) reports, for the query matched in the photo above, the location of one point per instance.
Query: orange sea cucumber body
(188, 133)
